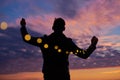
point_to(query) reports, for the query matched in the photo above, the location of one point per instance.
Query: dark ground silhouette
(56, 48)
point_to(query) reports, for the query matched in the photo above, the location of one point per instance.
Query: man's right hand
(94, 40)
(22, 22)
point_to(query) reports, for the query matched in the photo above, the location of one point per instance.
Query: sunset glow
(76, 74)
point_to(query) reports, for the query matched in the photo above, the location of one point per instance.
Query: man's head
(58, 25)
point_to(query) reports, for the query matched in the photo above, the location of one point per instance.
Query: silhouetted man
(56, 48)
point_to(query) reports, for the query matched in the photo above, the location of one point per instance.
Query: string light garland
(56, 47)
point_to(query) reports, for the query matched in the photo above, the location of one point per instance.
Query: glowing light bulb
(71, 52)
(46, 46)
(83, 51)
(3, 26)
(77, 50)
(27, 37)
(56, 47)
(80, 51)
(67, 52)
(76, 53)
(59, 50)
(39, 40)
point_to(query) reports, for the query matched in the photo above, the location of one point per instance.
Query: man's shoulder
(53, 36)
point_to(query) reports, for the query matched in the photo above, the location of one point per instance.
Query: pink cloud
(112, 41)
(41, 24)
(97, 18)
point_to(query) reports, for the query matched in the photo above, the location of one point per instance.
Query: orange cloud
(112, 72)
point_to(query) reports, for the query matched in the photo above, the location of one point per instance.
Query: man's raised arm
(23, 28)
(85, 53)
(26, 36)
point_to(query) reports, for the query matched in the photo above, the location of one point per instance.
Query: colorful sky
(84, 19)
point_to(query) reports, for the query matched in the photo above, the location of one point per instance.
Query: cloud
(98, 17)
(67, 8)
(41, 24)
(84, 19)
(112, 41)
(3, 35)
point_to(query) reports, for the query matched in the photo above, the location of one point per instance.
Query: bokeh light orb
(59, 50)
(39, 40)
(71, 52)
(46, 46)
(27, 37)
(56, 47)
(67, 52)
(3, 25)
(77, 50)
